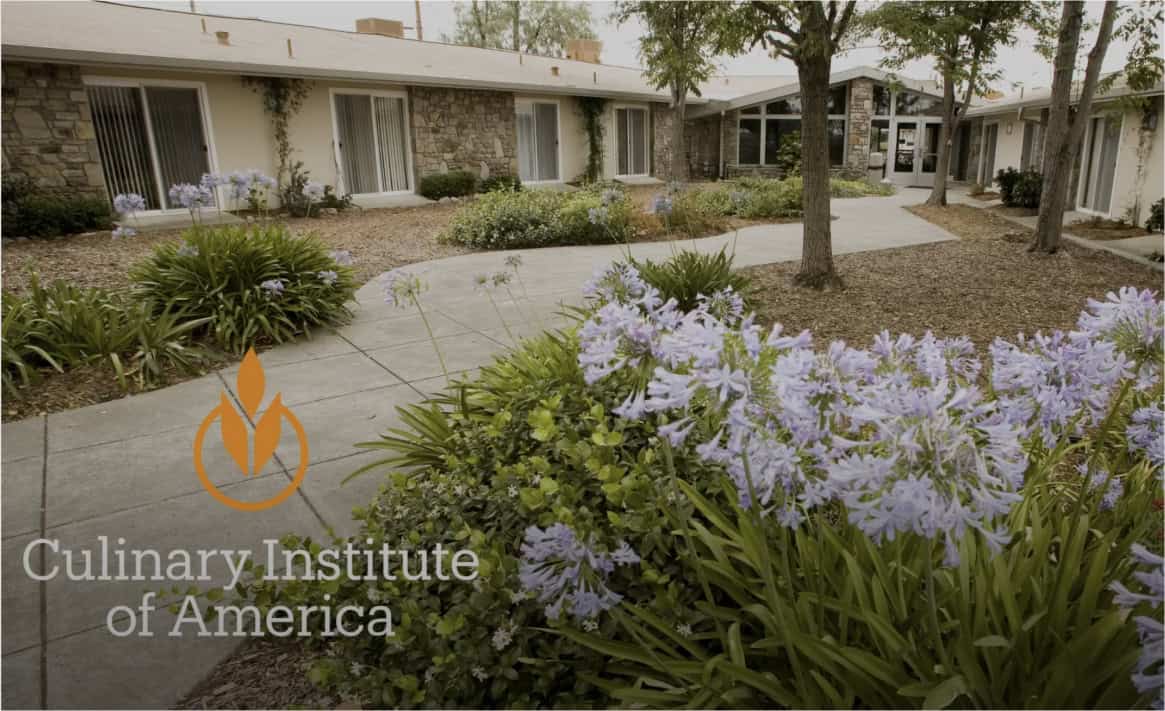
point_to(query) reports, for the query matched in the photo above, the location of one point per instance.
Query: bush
(63, 326)
(455, 183)
(540, 218)
(500, 182)
(29, 212)
(766, 199)
(789, 154)
(1156, 221)
(298, 204)
(1020, 188)
(689, 276)
(257, 284)
(843, 528)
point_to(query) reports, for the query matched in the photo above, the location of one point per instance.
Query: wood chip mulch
(983, 285)
(261, 674)
(986, 197)
(1104, 230)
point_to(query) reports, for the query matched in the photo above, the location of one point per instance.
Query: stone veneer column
(47, 128)
(459, 129)
(730, 129)
(860, 107)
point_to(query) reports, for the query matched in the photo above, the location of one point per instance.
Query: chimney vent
(377, 26)
(554, 71)
(584, 50)
(224, 37)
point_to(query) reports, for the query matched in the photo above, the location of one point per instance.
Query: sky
(1020, 63)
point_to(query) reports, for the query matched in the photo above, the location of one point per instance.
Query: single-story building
(1120, 166)
(105, 98)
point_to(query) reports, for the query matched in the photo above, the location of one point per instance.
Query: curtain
(390, 129)
(357, 143)
(176, 120)
(123, 143)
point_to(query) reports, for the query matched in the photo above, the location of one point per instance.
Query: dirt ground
(1104, 230)
(260, 675)
(985, 285)
(1016, 211)
(986, 197)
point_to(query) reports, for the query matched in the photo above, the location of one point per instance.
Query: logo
(236, 438)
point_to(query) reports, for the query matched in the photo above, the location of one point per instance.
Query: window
(908, 103)
(537, 141)
(631, 141)
(749, 139)
(761, 128)
(372, 140)
(880, 136)
(1032, 141)
(881, 100)
(1099, 167)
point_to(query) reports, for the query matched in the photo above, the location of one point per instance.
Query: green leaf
(945, 693)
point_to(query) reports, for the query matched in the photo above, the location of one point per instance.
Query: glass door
(537, 141)
(990, 136)
(1100, 164)
(149, 138)
(902, 168)
(371, 141)
(927, 162)
(631, 141)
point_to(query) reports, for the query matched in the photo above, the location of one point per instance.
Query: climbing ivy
(282, 99)
(592, 111)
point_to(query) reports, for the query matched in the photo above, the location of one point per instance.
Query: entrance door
(1096, 176)
(537, 142)
(990, 138)
(370, 138)
(149, 138)
(631, 141)
(915, 157)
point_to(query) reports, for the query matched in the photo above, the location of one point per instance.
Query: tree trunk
(817, 269)
(946, 137)
(1065, 128)
(679, 163)
(517, 26)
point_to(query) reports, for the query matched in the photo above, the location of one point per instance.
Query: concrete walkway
(123, 469)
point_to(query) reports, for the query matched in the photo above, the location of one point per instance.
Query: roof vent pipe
(224, 37)
(290, 52)
(203, 21)
(554, 71)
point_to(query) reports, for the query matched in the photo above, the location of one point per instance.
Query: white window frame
(646, 140)
(764, 116)
(141, 83)
(557, 134)
(986, 181)
(408, 129)
(1086, 157)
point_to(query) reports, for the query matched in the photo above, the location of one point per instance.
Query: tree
(963, 39)
(677, 51)
(1066, 123)
(809, 34)
(521, 25)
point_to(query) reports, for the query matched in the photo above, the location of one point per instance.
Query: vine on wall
(592, 111)
(282, 98)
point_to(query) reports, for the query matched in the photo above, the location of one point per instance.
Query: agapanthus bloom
(210, 181)
(191, 197)
(1146, 433)
(313, 191)
(129, 203)
(1111, 488)
(188, 250)
(341, 257)
(1149, 675)
(401, 288)
(597, 215)
(514, 261)
(328, 276)
(564, 572)
(123, 231)
(273, 287)
(661, 205)
(610, 196)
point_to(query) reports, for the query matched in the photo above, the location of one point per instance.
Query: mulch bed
(262, 674)
(986, 197)
(985, 285)
(1015, 211)
(1104, 230)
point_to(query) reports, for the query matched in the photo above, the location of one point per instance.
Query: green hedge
(30, 212)
(455, 183)
(540, 218)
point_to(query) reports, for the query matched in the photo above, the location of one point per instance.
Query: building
(106, 98)
(1119, 169)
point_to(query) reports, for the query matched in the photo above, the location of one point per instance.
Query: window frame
(531, 103)
(338, 157)
(763, 116)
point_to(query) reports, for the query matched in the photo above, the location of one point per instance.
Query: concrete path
(123, 469)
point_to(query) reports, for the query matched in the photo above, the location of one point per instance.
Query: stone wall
(47, 128)
(703, 139)
(861, 108)
(459, 129)
(662, 117)
(729, 129)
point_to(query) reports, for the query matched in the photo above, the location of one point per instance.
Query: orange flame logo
(250, 383)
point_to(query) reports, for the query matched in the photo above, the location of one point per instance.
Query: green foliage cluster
(455, 183)
(540, 218)
(789, 154)
(28, 211)
(1020, 188)
(298, 205)
(689, 275)
(527, 443)
(500, 182)
(1156, 221)
(218, 273)
(62, 326)
(767, 198)
(593, 108)
(282, 98)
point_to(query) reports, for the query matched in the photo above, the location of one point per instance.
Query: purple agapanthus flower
(1149, 675)
(341, 257)
(122, 231)
(129, 203)
(273, 287)
(328, 277)
(568, 574)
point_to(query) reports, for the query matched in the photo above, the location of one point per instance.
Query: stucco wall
(1140, 174)
(48, 129)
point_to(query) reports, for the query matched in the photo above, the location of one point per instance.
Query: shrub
(539, 218)
(697, 211)
(765, 199)
(455, 183)
(296, 201)
(1020, 188)
(258, 284)
(30, 212)
(500, 182)
(1156, 221)
(789, 154)
(63, 326)
(689, 276)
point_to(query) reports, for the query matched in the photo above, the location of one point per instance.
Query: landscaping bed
(984, 285)
(1103, 230)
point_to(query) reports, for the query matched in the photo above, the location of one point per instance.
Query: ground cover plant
(455, 183)
(691, 276)
(29, 211)
(540, 218)
(656, 494)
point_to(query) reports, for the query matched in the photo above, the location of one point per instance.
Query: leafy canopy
(541, 27)
(677, 47)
